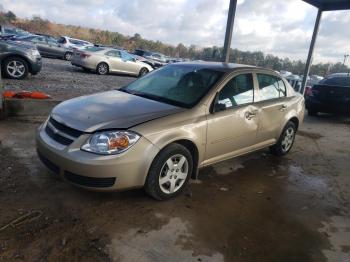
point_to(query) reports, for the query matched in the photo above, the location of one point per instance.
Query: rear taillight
(308, 91)
(84, 55)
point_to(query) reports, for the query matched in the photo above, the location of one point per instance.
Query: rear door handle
(250, 115)
(283, 107)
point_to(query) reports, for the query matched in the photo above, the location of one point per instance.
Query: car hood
(110, 110)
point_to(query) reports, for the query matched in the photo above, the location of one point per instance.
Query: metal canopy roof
(330, 5)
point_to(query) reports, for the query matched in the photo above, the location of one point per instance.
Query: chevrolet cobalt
(160, 129)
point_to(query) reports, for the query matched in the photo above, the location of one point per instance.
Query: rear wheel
(286, 140)
(102, 69)
(68, 56)
(15, 68)
(169, 172)
(143, 71)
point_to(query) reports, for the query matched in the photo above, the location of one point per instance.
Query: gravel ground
(252, 208)
(62, 81)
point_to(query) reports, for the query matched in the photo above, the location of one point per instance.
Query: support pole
(229, 29)
(311, 50)
(2, 113)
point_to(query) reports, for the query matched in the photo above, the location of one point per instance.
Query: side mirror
(134, 59)
(219, 107)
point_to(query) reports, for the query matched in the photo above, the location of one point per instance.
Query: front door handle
(250, 115)
(283, 107)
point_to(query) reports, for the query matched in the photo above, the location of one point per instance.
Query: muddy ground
(62, 80)
(253, 208)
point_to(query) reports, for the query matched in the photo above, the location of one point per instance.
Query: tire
(143, 71)
(165, 181)
(15, 68)
(312, 112)
(102, 69)
(68, 56)
(285, 141)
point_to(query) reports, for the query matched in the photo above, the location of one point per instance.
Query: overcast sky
(281, 28)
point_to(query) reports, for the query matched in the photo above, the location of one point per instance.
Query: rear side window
(271, 87)
(337, 81)
(238, 91)
(113, 53)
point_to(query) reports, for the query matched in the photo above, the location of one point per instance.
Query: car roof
(221, 66)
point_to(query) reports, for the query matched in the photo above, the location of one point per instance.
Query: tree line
(38, 25)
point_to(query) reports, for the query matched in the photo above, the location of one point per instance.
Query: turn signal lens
(118, 143)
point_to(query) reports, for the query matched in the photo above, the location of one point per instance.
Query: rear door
(233, 127)
(272, 103)
(115, 62)
(41, 45)
(54, 48)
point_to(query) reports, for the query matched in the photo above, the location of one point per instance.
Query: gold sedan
(160, 129)
(109, 60)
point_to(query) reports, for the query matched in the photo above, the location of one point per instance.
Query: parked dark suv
(330, 95)
(18, 59)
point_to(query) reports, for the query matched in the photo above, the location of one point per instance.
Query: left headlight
(110, 142)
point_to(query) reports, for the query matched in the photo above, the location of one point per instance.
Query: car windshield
(179, 85)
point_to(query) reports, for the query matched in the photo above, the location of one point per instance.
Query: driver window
(238, 91)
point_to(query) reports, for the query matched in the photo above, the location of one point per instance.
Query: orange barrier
(26, 94)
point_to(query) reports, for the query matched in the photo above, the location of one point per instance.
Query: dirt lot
(254, 208)
(62, 80)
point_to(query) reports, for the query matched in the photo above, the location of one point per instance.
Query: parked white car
(69, 42)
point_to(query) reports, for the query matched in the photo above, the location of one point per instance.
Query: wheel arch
(190, 146)
(19, 56)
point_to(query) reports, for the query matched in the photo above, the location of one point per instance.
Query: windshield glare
(180, 85)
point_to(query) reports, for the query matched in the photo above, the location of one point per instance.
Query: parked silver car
(106, 60)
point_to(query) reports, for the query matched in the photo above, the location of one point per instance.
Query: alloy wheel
(15, 68)
(173, 174)
(288, 139)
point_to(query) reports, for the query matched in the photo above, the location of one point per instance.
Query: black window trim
(229, 78)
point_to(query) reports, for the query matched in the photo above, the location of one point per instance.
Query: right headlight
(110, 142)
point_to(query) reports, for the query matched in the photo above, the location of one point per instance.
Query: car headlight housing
(110, 142)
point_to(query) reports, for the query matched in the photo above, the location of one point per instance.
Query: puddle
(228, 167)
(338, 232)
(165, 244)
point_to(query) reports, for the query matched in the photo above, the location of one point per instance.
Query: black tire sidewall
(98, 71)
(143, 69)
(277, 148)
(8, 60)
(66, 54)
(152, 186)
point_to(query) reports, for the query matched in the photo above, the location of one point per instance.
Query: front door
(233, 125)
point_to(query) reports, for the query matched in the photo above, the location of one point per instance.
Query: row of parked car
(17, 52)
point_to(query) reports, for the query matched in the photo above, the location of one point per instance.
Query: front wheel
(15, 68)
(169, 172)
(143, 71)
(286, 140)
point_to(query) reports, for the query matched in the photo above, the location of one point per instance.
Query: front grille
(89, 181)
(65, 129)
(61, 133)
(54, 168)
(58, 138)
